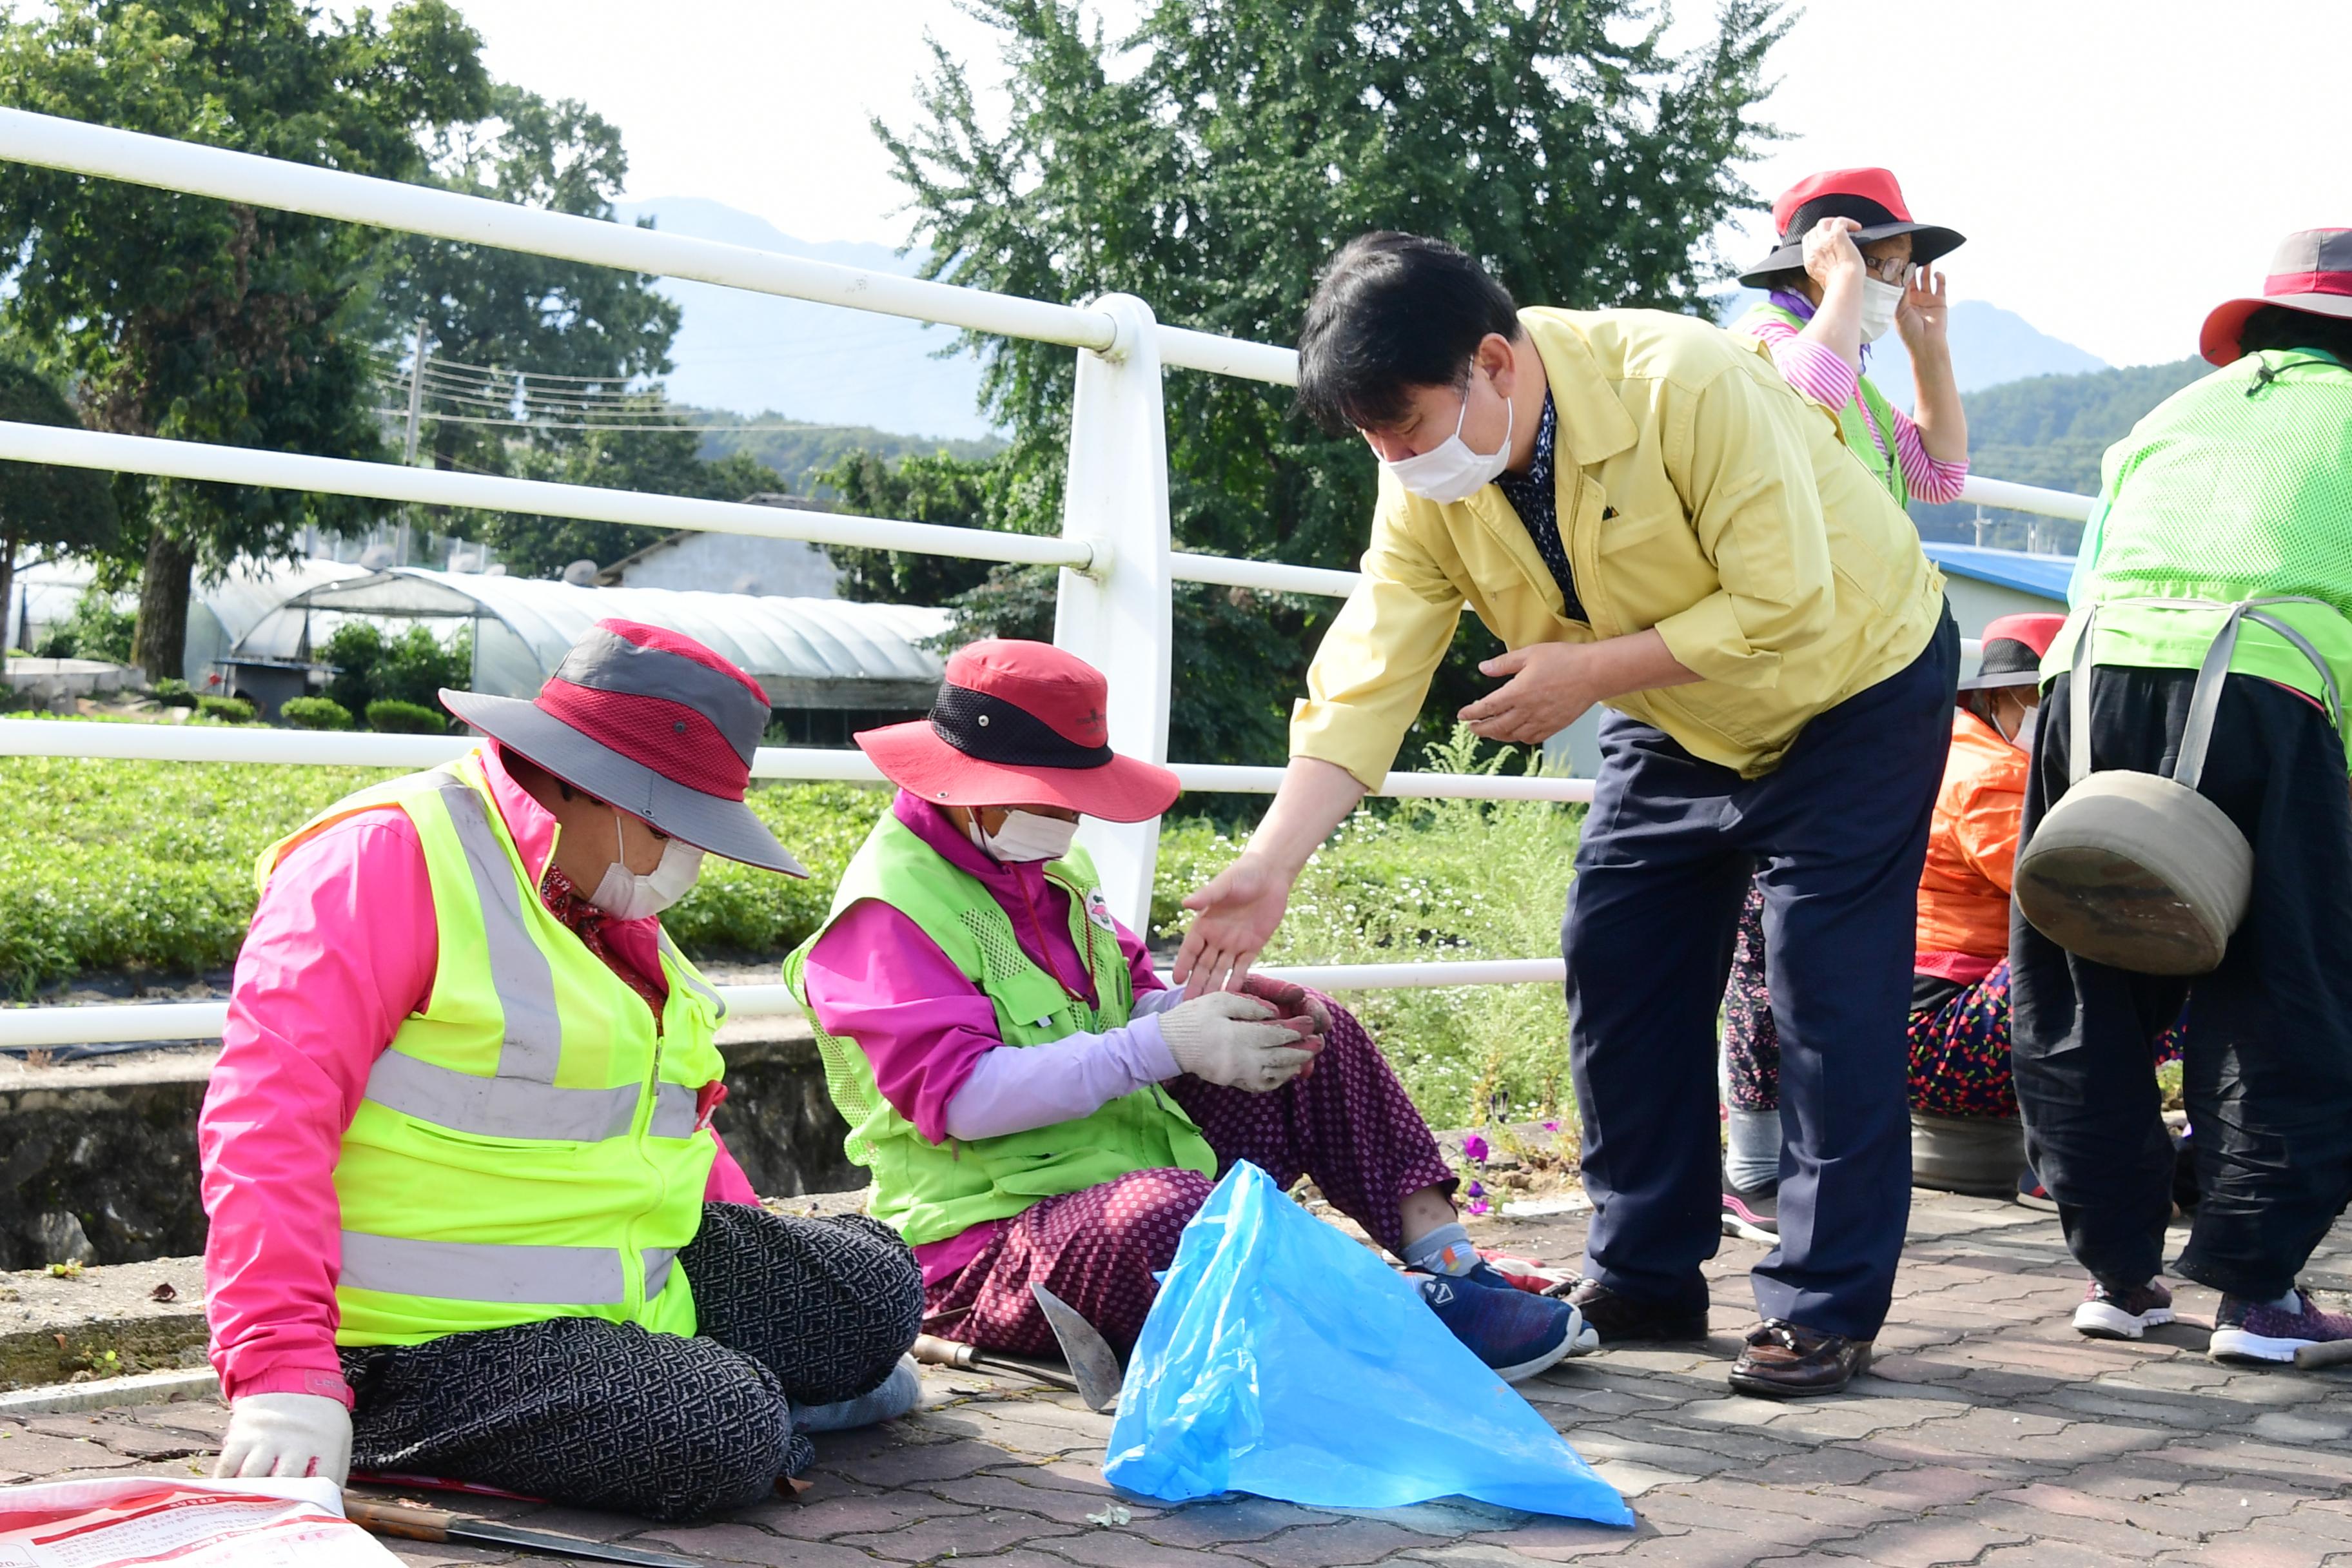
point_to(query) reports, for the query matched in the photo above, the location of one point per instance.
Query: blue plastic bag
(1284, 1358)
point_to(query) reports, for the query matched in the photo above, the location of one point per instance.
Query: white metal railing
(1117, 563)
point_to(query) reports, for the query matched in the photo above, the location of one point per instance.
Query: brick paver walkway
(1990, 1433)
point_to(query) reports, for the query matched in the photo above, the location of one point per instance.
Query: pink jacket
(341, 949)
(931, 1036)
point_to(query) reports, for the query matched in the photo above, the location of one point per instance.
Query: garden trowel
(1092, 1361)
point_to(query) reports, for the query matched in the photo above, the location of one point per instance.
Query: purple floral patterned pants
(1348, 1124)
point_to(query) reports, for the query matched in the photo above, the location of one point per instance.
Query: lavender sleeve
(1061, 1080)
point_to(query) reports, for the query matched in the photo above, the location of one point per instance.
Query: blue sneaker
(1513, 1332)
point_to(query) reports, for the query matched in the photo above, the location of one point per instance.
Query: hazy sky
(2119, 166)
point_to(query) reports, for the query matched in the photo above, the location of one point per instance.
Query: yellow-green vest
(529, 1146)
(1885, 466)
(932, 1191)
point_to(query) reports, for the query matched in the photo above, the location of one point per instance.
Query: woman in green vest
(2237, 487)
(469, 1215)
(1035, 1107)
(1849, 264)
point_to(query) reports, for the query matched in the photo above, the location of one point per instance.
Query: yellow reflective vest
(529, 1146)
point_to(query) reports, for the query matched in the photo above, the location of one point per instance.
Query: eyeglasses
(1888, 268)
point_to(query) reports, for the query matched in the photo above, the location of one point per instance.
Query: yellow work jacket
(1697, 494)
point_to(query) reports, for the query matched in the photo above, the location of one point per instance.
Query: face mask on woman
(1024, 836)
(628, 895)
(1450, 471)
(1878, 303)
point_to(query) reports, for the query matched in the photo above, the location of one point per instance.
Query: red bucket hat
(1021, 723)
(1869, 196)
(654, 722)
(2310, 271)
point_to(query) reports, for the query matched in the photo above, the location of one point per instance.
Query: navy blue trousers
(1835, 837)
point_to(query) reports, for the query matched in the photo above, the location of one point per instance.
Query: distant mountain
(2050, 430)
(1989, 346)
(747, 353)
(798, 451)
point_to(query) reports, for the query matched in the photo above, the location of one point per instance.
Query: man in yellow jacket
(1647, 516)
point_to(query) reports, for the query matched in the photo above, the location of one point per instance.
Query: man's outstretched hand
(1238, 910)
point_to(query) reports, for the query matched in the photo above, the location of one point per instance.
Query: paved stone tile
(1335, 1544)
(997, 1530)
(1988, 1435)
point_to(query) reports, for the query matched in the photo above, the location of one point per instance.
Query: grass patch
(1416, 880)
(119, 865)
(123, 866)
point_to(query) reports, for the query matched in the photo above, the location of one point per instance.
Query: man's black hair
(1393, 313)
(2283, 327)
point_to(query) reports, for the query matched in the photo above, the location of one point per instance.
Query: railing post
(1117, 615)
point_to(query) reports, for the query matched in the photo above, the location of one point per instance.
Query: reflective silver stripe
(718, 1003)
(474, 1271)
(507, 1107)
(657, 1265)
(524, 980)
(676, 1111)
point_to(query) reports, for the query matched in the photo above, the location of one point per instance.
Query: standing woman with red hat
(1850, 263)
(2237, 487)
(1035, 1107)
(470, 1216)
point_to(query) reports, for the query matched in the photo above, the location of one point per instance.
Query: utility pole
(415, 415)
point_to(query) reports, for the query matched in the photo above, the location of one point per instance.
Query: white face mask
(1450, 471)
(1878, 303)
(1024, 837)
(628, 895)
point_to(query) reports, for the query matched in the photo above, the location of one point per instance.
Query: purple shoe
(2255, 1331)
(2107, 1313)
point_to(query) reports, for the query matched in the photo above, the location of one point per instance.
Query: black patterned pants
(607, 1415)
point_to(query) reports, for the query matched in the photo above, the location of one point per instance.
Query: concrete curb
(104, 1393)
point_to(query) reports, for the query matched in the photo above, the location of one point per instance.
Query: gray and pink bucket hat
(2311, 271)
(650, 720)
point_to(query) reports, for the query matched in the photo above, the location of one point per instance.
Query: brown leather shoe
(1788, 1361)
(1624, 1319)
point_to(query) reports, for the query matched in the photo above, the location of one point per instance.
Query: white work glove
(1235, 1040)
(287, 1435)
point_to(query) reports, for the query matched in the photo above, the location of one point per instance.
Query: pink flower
(1551, 1126)
(1475, 1148)
(1477, 1206)
(1477, 1190)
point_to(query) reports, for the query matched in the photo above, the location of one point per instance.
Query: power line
(544, 424)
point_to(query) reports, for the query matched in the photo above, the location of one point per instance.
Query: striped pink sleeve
(1818, 373)
(1929, 479)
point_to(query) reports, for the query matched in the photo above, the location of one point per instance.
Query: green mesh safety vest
(932, 1191)
(529, 1146)
(2236, 487)
(1885, 466)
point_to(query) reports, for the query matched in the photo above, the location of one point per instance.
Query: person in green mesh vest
(1033, 1104)
(2236, 488)
(1848, 264)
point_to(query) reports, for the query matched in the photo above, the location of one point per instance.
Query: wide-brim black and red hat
(2013, 646)
(2310, 271)
(1021, 723)
(1869, 196)
(652, 721)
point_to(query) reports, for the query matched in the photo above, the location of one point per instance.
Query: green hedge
(390, 713)
(315, 713)
(228, 709)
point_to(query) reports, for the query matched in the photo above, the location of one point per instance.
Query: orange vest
(1972, 845)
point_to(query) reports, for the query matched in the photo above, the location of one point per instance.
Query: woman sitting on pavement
(1034, 1106)
(470, 1216)
(1850, 263)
